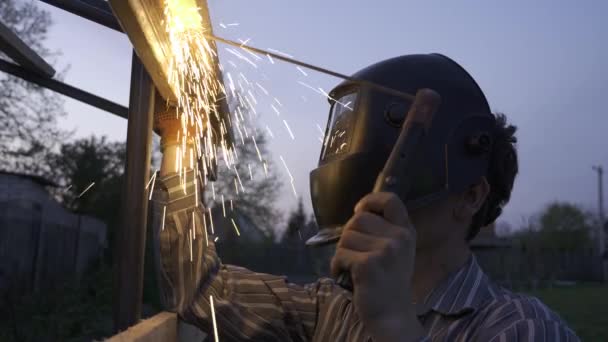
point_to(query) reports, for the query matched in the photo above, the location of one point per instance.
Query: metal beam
(18, 51)
(97, 11)
(131, 238)
(64, 89)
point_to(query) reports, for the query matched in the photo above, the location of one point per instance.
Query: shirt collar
(462, 291)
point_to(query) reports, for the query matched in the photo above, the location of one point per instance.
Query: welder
(412, 274)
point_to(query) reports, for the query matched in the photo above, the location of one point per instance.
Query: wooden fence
(512, 267)
(517, 267)
(36, 254)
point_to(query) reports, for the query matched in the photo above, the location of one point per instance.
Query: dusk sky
(542, 63)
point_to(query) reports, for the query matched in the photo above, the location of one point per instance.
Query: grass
(583, 307)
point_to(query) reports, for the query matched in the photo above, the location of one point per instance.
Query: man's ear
(472, 199)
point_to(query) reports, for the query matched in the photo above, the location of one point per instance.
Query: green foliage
(296, 224)
(69, 313)
(262, 188)
(80, 163)
(560, 226)
(583, 307)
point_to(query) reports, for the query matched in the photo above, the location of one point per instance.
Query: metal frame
(131, 241)
(97, 11)
(18, 51)
(64, 89)
(131, 238)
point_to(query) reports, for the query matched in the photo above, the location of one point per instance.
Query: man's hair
(501, 174)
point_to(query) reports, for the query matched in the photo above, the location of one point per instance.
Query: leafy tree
(79, 164)
(560, 226)
(252, 183)
(28, 112)
(297, 224)
(564, 226)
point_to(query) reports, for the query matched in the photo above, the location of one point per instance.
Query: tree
(297, 224)
(560, 226)
(252, 182)
(564, 226)
(81, 163)
(28, 113)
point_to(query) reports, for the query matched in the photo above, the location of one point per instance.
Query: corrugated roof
(37, 179)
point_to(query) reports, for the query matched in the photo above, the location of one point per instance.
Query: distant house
(41, 243)
(487, 239)
(492, 251)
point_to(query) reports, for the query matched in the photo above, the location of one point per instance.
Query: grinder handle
(417, 124)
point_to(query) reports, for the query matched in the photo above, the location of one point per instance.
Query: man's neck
(434, 265)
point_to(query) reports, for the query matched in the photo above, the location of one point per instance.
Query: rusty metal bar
(64, 89)
(18, 51)
(131, 238)
(97, 11)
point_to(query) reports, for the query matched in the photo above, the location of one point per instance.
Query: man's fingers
(386, 204)
(369, 223)
(361, 242)
(344, 260)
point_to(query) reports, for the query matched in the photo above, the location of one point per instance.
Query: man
(414, 276)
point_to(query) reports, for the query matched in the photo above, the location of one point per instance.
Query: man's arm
(248, 305)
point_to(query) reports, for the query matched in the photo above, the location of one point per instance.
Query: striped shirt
(467, 306)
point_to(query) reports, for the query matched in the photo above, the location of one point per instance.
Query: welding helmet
(363, 126)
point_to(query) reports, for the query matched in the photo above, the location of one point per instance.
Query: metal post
(130, 242)
(601, 233)
(601, 226)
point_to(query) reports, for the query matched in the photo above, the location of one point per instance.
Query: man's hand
(378, 247)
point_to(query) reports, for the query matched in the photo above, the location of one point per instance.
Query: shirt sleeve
(247, 305)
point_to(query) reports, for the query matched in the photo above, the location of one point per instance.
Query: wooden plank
(161, 328)
(17, 50)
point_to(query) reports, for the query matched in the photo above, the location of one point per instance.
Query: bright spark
(193, 227)
(164, 216)
(280, 53)
(190, 243)
(286, 168)
(206, 235)
(217, 339)
(275, 110)
(87, 189)
(211, 221)
(223, 205)
(235, 227)
(151, 179)
(289, 130)
(262, 88)
(269, 132)
(302, 71)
